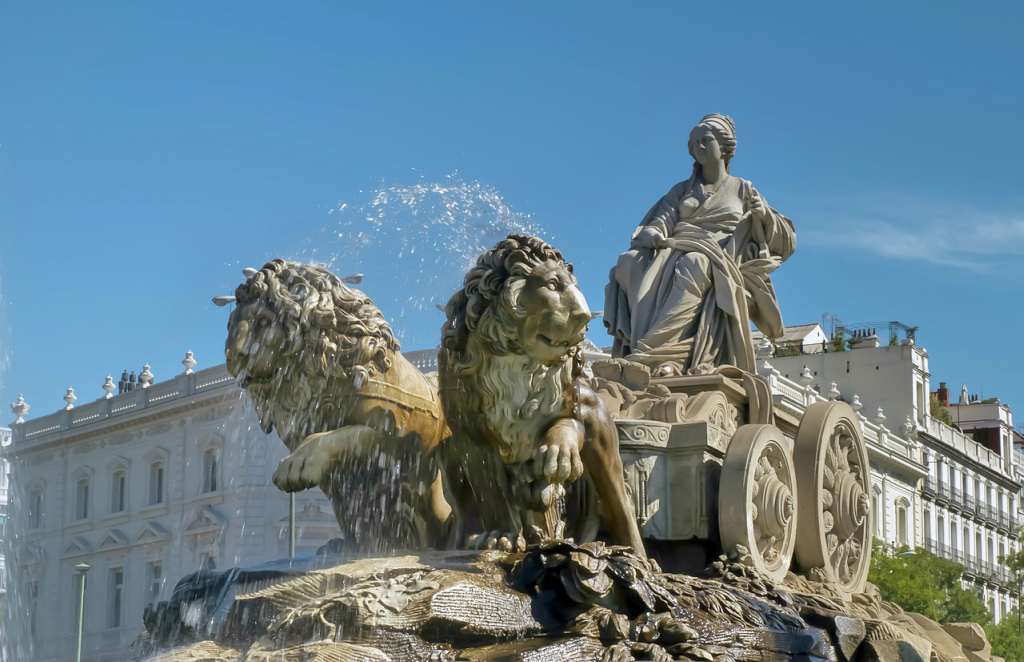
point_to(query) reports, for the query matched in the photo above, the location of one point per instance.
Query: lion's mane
(486, 378)
(336, 334)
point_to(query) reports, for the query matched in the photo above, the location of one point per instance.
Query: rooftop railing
(179, 387)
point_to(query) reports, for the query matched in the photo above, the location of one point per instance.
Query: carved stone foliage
(557, 601)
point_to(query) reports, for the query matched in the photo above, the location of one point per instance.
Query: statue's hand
(756, 204)
(557, 459)
(651, 238)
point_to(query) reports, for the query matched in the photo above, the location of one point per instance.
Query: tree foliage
(1004, 637)
(939, 411)
(923, 583)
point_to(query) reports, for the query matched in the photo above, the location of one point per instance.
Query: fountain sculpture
(512, 508)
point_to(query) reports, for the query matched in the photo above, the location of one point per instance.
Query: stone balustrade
(177, 388)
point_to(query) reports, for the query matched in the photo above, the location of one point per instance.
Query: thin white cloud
(952, 234)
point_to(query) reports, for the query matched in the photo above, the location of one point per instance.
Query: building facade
(145, 487)
(5, 440)
(961, 501)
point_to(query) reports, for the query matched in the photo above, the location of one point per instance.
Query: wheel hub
(850, 506)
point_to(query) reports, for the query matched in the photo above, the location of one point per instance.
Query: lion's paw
(558, 457)
(307, 466)
(502, 541)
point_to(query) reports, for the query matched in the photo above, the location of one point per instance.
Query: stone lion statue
(323, 368)
(523, 421)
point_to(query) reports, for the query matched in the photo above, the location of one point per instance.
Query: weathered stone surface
(948, 648)
(847, 632)
(892, 641)
(557, 601)
(972, 637)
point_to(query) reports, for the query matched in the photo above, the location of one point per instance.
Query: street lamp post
(82, 569)
(291, 525)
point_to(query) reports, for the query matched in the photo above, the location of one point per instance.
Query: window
(82, 499)
(942, 530)
(876, 509)
(977, 545)
(155, 572)
(901, 525)
(35, 509)
(927, 526)
(116, 595)
(32, 598)
(209, 562)
(210, 470)
(156, 483)
(119, 492)
(952, 536)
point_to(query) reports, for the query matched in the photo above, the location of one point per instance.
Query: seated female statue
(681, 300)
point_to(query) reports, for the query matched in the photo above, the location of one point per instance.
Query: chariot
(713, 469)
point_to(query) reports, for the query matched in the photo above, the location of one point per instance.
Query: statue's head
(301, 342)
(712, 139)
(520, 298)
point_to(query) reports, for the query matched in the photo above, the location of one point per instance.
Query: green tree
(1006, 641)
(939, 411)
(923, 583)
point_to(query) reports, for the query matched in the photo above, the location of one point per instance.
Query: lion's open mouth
(553, 343)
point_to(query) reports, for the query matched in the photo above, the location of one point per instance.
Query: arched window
(210, 470)
(82, 499)
(902, 533)
(876, 512)
(119, 491)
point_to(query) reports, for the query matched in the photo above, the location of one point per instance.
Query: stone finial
(908, 428)
(108, 386)
(145, 377)
(805, 376)
(765, 349)
(880, 417)
(70, 398)
(189, 362)
(20, 408)
(856, 404)
(833, 393)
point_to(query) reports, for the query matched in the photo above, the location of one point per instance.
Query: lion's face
(553, 313)
(259, 352)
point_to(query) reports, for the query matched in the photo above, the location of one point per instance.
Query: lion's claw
(502, 541)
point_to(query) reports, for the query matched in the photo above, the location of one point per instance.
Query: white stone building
(5, 440)
(966, 506)
(145, 487)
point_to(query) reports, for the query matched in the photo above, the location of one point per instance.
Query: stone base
(558, 601)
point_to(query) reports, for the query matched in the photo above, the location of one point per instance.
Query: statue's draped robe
(690, 305)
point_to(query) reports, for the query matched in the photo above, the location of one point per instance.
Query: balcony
(957, 499)
(930, 489)
(966, 445)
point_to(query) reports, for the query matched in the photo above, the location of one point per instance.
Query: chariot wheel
(757, 499)
(833, 544)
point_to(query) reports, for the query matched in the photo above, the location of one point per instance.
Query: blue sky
(149, 151)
